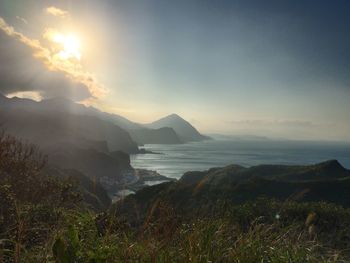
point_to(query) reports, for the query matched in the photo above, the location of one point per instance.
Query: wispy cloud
(73, 71)
(277, 122)
(52, 10)
(23, 20)
(290, 128)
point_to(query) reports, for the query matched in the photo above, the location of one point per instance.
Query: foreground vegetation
(45, 219)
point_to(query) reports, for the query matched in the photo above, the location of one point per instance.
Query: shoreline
(142, 178)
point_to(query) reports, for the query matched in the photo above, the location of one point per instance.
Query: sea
(174, 160)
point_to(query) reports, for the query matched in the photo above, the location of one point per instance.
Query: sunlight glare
(70, 46)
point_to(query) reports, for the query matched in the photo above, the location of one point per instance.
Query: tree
(29, 198)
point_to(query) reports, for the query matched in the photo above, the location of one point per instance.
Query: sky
(271, 68)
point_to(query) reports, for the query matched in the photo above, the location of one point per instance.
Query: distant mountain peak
(183, 128)
(174, 115)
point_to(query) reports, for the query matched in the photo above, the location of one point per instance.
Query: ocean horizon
(175, 159)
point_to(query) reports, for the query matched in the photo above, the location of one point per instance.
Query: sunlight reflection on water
(177, 159)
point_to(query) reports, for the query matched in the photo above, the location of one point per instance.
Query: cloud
(277, 122)
(23, 20)
(33, 95)
(57, 12)
(287, 128)
(32, 67)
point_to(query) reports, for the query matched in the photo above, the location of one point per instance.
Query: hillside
(83, 143)
(66, 105)
(183, 128)
(48, 126)
(92, 192)
(109, 169)
(162, 134)
(60, 215)
(327, 181)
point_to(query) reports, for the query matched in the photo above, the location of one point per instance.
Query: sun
(69, 46)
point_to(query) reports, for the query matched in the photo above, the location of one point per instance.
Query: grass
(166, 237)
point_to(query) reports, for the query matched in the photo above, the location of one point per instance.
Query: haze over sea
(174, 160)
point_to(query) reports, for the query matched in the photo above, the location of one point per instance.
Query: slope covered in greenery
(48, 214)
(327, 181)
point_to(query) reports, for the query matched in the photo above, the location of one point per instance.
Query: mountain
(183, 128)
(63, 104)
(142, 135)
(83, 138)
(138, 133)
(82, 143)
(48, 128)
(85, 143)
(60, 120)
(327, 170)
(163, 135)
(327, 181)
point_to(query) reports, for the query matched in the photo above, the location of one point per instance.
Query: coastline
(141, 178)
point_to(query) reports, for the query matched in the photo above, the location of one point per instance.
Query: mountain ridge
(183, 128)
(141, 133)
(234, 184)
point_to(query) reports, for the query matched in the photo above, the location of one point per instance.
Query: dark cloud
(21, 71)
(27, 65)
